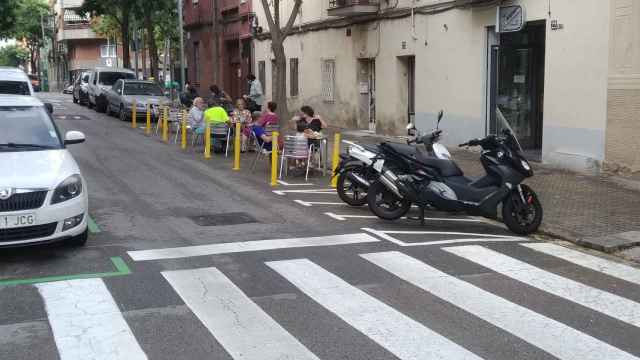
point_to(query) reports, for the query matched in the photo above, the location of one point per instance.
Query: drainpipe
(413, 21)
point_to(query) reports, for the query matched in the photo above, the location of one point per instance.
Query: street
(188, 259)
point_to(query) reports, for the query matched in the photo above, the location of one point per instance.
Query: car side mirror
(73, 137)
(49, 107)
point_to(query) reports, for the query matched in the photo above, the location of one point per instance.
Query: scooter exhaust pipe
(355, 178)
(387, 180)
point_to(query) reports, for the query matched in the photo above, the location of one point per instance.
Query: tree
(8, 11)
(27, 26)
(118, 11)
(278, 35)
(13, 55)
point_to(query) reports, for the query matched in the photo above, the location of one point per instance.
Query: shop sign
(510, 18)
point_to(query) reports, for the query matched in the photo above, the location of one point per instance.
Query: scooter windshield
(503, 125)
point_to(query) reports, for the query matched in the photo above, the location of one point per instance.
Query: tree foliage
(118, 11)
(8, 11)
(13, 55)
(26, 25)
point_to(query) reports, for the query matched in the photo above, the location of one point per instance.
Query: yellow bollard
(207, 141)
(236, 148)
(336, 159)
(147, 130)
(165, 125)
(134, 114)
(274, 158)
(183, 130)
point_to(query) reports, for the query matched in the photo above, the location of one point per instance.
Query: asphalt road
(195, 261)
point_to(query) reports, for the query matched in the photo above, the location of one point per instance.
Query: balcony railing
(352, 7)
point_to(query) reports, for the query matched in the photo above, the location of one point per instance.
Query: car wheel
(75, 99)
(79, 240)
(101, 105)
(123, 114)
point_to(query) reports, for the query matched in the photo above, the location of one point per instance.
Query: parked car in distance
(101, 80)
(121, 96)
(43, 195)
(81, 88)
(14, 81)
(35, 82)
(68, 89)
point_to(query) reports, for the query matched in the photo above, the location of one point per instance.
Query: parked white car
(14, 81)
(43, 196)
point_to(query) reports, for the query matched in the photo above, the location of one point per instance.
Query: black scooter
(441, 184)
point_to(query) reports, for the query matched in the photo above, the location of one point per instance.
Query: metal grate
(27, 232)
(223, 219)
(23, 201)
(328, 80)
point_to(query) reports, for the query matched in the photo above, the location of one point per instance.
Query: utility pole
(181, 29)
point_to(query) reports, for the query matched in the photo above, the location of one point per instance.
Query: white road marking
(312, 203)
(609, 304)
(341, 217)
(399, 334)
(611, 268)
(528, 325)
(289, 184)
(242, 327)
(477, 237)
(86, 321)
(305, 191)
(249, 246)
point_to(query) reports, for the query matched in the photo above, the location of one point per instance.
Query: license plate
(15, 221)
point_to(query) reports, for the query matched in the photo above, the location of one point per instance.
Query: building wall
(623, 116)
(450, 50)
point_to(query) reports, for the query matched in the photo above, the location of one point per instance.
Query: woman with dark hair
(314, 122)
(269, 117)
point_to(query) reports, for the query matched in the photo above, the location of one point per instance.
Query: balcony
(352, 7)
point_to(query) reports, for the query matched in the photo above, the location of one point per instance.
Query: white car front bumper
(49, 221)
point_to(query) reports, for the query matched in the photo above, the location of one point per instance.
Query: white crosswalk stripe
(87, 323)
(399, 334)
(604, 266)
(596, 299)
(241, 326)
(530, 326)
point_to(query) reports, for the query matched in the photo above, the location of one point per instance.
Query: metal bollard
(274, 158)
(207, 141)
(236, 148)
(134, 114)
(336, 159)
(183, 130)
(147, 130)
(165, 125)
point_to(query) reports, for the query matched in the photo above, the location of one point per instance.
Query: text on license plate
(14, 221)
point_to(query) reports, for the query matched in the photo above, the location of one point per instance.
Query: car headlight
(525, 165)
(70, 188)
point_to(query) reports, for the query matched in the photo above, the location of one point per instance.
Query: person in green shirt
(214, 115)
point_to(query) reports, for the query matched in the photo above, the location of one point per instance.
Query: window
(293, 76)
(107, 51)
(142, 88)
(109, 78)
(27, 125)
(328, 80)
(196, 61)
(262, 74)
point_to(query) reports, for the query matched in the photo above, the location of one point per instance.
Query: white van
(14, 81)
(101, 80)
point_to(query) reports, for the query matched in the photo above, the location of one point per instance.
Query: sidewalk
(599, 212)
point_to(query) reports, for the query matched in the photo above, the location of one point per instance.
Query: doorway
(516, 84)
(367, 94)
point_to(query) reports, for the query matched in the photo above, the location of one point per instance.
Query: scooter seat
(404, 149)
(447, 168)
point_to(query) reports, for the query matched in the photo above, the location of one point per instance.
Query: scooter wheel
(351, 193)
(522, 219)
(385, 204)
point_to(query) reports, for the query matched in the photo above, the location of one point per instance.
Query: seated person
(262, 137)
(215, 115)
(196, 114)
(314, 121)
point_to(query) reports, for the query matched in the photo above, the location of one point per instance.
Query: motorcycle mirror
(440, 115)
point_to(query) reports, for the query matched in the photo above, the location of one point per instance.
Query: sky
(4, 43)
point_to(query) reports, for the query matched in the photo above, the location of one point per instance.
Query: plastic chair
(297, 148)
(260, 150)
(221, 132)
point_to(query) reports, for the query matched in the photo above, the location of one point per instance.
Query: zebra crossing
(87, 323)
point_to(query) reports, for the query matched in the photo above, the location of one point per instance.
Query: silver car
(121, 96)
